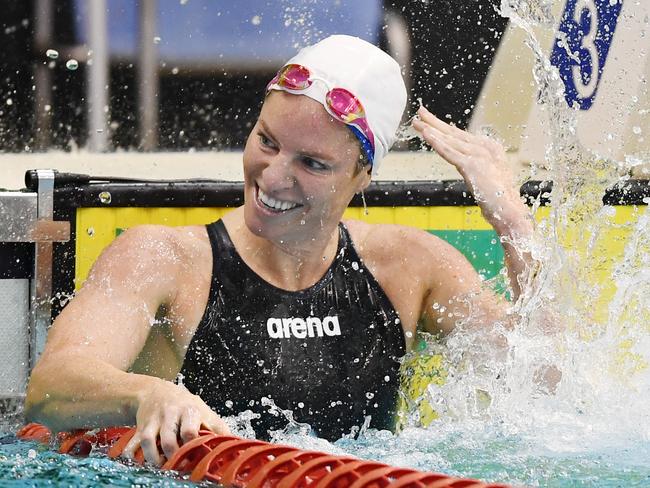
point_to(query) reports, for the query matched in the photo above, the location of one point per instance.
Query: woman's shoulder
(392, 240)
(180, 243)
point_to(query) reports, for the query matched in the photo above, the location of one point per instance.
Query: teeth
(273, 203)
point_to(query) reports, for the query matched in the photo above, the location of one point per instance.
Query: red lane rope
(213, 464)
(418, 480)
(276, 469)
(116, 449)
(190, 453)
(381, 477)
(245, 463)
(35, 432)
(347, 474)
(312, 471)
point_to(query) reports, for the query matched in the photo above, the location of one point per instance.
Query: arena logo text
(285, 328)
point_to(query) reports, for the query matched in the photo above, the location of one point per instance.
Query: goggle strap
(365, 143)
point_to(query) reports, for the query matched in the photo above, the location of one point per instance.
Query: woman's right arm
(81, 380)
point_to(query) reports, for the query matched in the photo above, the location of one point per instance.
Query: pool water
(499, 419)
(483, 451)
(27, 464)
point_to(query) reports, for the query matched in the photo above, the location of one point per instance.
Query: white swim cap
(365, 71)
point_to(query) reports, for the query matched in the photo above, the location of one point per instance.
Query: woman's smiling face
(300, 170)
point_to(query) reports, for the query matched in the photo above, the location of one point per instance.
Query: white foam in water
(503, 415)
(503, 418)
(600, 406)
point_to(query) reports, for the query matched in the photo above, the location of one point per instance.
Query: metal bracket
(27, 217)
(41, 286)
(19, 220)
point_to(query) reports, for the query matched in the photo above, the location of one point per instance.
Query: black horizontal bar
(206, 193)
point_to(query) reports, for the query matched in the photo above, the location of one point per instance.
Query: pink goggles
(339, 103)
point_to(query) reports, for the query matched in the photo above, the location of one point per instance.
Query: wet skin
(299, 168)
(284, 161)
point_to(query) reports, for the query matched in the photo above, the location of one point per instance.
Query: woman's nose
(278, 173)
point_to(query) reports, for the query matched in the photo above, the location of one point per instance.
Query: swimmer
(176, 328)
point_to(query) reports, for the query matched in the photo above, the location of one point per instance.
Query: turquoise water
(468, 449)
(595, 429)
(26, 464)
(484, 452)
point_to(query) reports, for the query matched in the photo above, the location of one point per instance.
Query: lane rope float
(247, 463)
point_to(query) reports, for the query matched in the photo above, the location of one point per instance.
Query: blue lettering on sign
(581, 47)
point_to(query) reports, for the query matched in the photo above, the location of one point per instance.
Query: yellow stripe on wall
(96, 228)
(438, 217)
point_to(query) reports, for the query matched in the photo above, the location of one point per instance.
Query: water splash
(72, 64)
(406, 132)
(573, 377)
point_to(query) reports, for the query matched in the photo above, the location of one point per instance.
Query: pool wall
(97, 210)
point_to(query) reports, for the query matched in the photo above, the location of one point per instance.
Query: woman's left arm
(481, 161)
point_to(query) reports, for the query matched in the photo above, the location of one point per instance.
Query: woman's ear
(364, 180)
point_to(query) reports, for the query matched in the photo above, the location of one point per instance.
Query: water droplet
(260, 362)
(105, 197)
(174, 70)
(156, 40)
(90, 231)
(184, 2)
(355, 266)
(386, 378)
(228, 403)
(52, 53)
(10, 101)
(72, 64)
(609, 211)
(408, 334)
(301, 405)
(637, 130)
(31, 454)
(256, 20)
(47, 107)
(370, 395)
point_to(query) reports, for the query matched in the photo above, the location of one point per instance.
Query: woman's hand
(481, 161)
(170, 413)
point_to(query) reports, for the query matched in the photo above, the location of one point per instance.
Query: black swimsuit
(330, 353)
